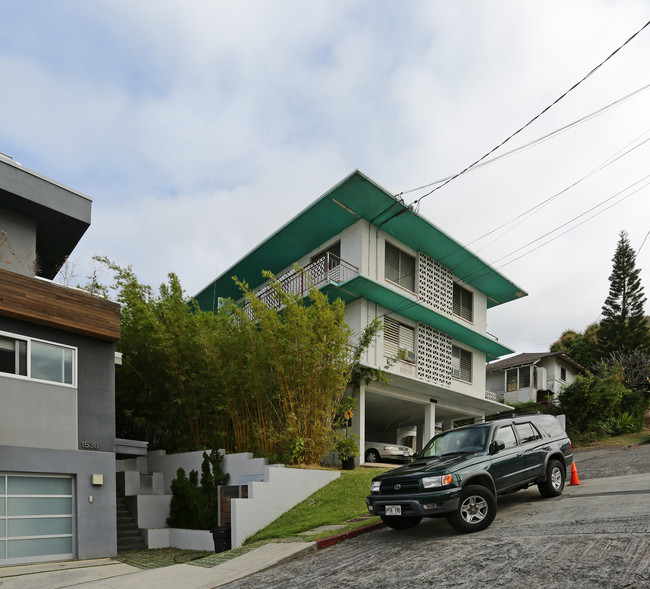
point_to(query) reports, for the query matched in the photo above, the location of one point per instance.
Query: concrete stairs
(129, 536)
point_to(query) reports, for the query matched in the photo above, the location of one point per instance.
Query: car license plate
(393, 510)
(406, 454)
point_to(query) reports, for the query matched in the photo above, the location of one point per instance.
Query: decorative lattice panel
(434, 356)
(436, 285)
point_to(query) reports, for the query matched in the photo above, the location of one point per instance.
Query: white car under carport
(380, 451)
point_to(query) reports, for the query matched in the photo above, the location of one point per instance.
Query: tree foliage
(581, 347)
(624, 326)
(244, 378)
(592, 403)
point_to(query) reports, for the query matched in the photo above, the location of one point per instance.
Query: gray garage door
(36, 522)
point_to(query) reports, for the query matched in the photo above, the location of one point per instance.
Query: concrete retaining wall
(179, 538)
(283, 489)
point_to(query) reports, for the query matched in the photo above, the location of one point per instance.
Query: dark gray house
(57, 381)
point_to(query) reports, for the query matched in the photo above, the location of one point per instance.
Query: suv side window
(507, 436)
(526, 432)
(550, 425)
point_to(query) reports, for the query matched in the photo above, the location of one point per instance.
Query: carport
(406, 412)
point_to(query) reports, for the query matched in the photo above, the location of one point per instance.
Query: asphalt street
(595, 534)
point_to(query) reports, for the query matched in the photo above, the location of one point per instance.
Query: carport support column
(429, 423)
(359, 421)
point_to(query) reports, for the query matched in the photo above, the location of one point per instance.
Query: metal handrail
(323, 270)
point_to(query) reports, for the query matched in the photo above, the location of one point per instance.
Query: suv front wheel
(476, 510)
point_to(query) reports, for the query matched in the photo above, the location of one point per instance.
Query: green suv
(460, 472)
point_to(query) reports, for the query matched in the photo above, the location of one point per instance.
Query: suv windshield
(461, 441)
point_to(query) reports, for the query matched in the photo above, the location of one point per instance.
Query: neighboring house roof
(358, 197)
(528, 358)
(61, 214)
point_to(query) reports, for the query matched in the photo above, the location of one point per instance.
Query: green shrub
(193, 507)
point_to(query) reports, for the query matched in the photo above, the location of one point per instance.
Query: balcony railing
(324, 270)
(491, 396)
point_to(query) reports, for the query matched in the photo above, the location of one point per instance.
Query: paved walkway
(106, 573)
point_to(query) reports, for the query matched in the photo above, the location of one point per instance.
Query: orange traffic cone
(574, 475)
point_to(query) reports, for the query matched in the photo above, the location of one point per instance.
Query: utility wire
(483, 273)
(417, 201)
(477, 274)
(530, 212)
(539, 140)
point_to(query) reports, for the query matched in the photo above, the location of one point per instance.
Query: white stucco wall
(284, 488)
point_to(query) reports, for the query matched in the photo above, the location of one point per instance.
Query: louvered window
(400, 267)
(461, 364)
(399, 340)
(463, 302)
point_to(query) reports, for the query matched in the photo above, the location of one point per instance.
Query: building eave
(358, 197)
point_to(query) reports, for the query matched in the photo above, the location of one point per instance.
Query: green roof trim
(392, 299)
(354, 198)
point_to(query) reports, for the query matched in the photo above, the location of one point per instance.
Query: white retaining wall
(242, 468)
(283, 489)
(179, 538)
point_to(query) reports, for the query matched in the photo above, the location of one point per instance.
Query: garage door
(35, 518)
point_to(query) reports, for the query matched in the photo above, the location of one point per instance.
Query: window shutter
(399, 267)
(466, 365)
(461, 364)
(407, 271)
(397, 337)
(463, 303)
(392, 263)
(406, 338)
(391, 337)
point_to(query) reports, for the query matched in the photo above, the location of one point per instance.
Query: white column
(429, 429)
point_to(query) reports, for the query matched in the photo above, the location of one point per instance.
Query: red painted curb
(331, 540)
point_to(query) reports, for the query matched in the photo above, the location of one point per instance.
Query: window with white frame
(518, 378)
(399, 267)
(461, 364)
(399, 340)
(463, 302)
(37, 359)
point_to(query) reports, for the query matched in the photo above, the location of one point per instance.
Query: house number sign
(90, 445)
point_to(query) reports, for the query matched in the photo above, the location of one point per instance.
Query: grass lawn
(642, 437)
(337, 503)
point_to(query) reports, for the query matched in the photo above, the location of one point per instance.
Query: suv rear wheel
(554, 483)
(476, 510)
(398, 522)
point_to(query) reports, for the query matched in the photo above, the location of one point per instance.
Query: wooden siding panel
(46, 303)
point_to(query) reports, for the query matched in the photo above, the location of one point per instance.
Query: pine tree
(624, 326)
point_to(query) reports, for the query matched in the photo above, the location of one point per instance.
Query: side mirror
(416, 456)
(496, 446)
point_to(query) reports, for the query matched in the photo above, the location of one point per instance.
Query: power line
(486, 155)
(539, 140)
(477, 274)
(482, 273)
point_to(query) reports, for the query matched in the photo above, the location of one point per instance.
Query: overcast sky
(198, 128)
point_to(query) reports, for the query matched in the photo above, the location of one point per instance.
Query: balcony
(328, 269)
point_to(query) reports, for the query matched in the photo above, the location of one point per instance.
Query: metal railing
(298, 282)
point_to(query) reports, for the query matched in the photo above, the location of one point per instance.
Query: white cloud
(199, 128)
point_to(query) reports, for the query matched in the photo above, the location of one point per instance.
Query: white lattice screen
(436, 285)
(434, 355)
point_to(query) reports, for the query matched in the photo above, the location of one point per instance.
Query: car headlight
(439, 481)
(374, 486)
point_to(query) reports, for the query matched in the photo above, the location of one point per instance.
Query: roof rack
(505, 415)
